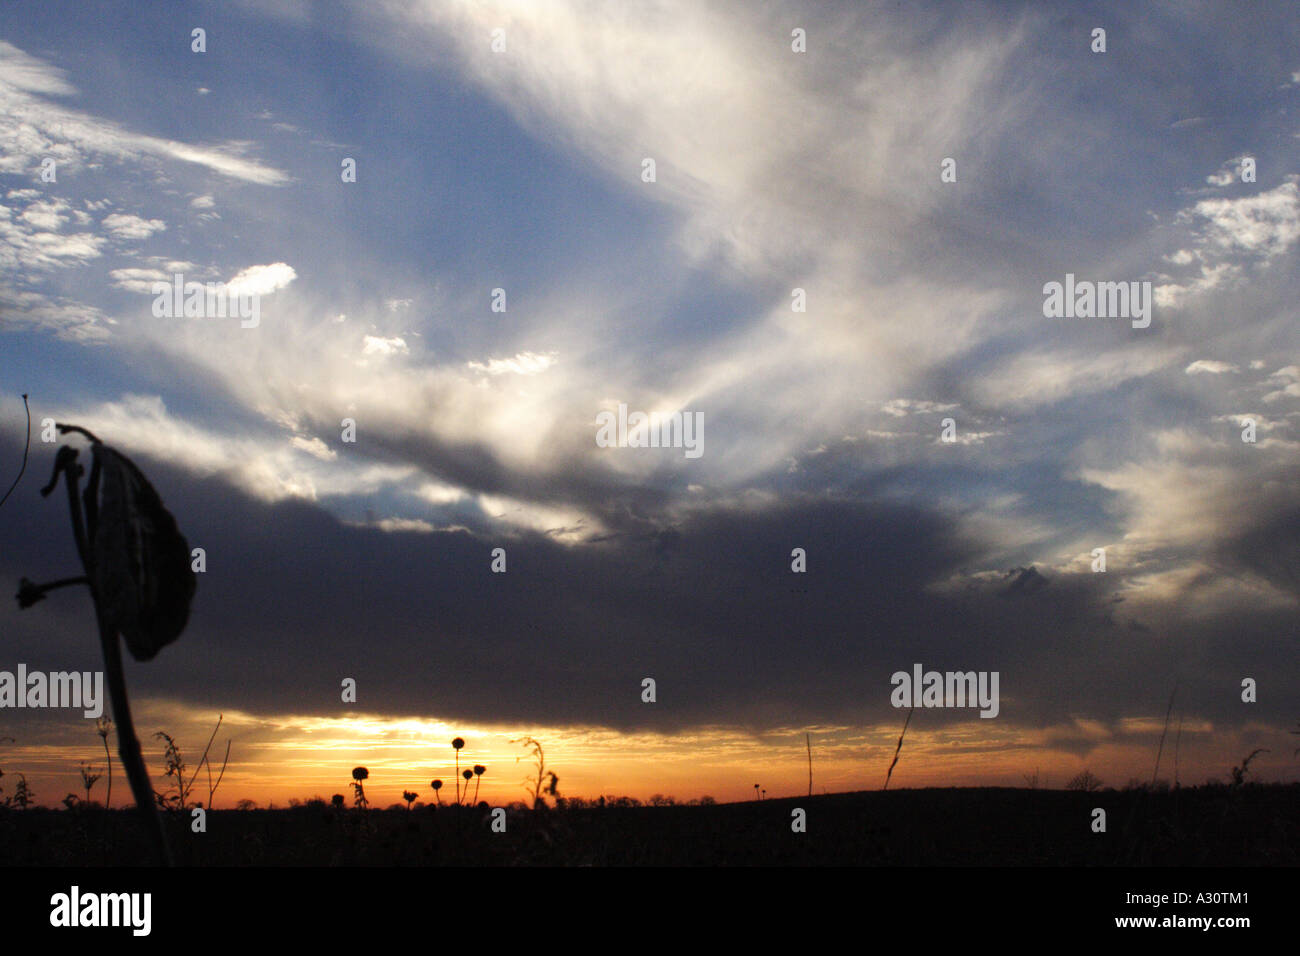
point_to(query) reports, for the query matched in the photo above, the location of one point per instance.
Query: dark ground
(1252, 825)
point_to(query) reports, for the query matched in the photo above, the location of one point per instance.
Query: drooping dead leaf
(142, 574)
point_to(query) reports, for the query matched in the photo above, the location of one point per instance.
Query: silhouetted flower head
(458, 743)
(467, 774)
(360, 773)
(437, 784)
(479, 770)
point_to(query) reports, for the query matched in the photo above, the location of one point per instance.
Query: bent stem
(108, 757)
(128, 745)
(898, 749)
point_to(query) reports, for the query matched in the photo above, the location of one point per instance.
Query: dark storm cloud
(622, 502)
(293, 601)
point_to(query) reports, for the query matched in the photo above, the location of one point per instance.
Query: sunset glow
(279, 759)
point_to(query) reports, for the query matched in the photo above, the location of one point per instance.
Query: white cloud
(46, 215)
(30, 75)
(374, 345)
(617, 84)
(566, 525)
(398, 525)
(127, 226)
(1188, 490)
(28, 242)
(69, 320)
(261, 280)
(1038, 378)
(439, 494)
(314, 447)
(525, 363)
(773, 189)
(969, 438)
(1291, 390)
(263, 465)
(138, 280)
(1265, 224)
(1263, 424)
(901, 407)
(1209, 366)
(1232, 232)
(1173, 295)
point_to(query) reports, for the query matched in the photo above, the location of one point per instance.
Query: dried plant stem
(1178, 739)
(108, 800)
(898, 748)
(128, 745)
(808, 741)
(212, 787)
(1161, 749)
(203, 760)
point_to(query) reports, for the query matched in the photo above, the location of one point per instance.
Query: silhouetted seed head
(479, 770)
(467, 774)
(436, 784)
(360, 773)
(28, 593)
(458, 743)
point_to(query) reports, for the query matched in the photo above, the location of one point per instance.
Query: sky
(844, 246)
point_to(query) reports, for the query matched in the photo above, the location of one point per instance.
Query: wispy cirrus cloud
(35, 126)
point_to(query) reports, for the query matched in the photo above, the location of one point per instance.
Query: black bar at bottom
(933, 905)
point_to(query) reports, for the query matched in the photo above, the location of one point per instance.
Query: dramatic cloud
(437, 337)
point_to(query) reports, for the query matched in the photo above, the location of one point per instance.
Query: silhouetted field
(1245, 826)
